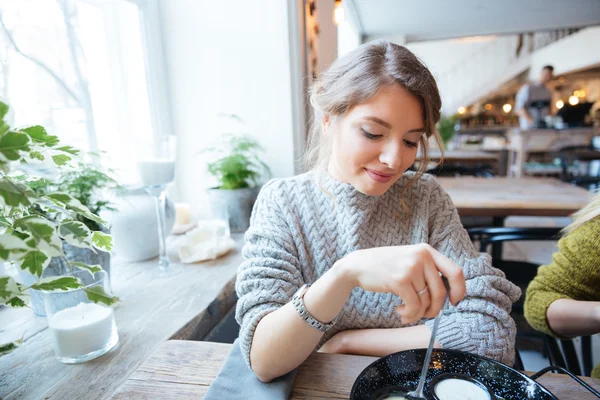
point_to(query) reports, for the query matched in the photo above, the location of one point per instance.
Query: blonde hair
(358, 76)
(587, 213)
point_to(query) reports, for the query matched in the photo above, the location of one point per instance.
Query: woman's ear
(325, 122)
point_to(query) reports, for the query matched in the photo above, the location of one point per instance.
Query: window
(80, 68)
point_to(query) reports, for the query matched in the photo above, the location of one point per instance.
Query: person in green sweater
(564, 298)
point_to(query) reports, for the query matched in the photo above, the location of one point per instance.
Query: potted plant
(90, 185)
(445, 127)
(239, 171)
(33, 225)
(86, 183)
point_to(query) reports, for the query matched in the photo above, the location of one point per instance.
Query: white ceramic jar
(134, 226)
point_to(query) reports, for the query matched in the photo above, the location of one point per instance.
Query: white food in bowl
(460, 389)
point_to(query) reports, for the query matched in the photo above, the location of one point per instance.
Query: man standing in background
(533, 102)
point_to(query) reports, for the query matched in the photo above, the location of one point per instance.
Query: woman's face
(376, 141)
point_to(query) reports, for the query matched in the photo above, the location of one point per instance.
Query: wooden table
(153, 309)
(185, 369)
(495, 159)
(463, 156)
(503, 197)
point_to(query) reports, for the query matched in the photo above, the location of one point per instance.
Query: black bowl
(403, 369)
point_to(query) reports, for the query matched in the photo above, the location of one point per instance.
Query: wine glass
(156, 169)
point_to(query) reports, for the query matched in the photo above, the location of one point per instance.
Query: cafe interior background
(111, 77)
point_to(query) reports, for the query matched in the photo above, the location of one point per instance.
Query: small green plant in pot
(32, 225)
(239, 171)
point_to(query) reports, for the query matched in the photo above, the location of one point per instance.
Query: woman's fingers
(425, 298)
(437, 291)
(454, 274)
(409, 311)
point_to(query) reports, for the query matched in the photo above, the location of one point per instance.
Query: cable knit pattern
(302, 225)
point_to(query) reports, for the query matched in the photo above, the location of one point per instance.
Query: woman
(564, 298)
(331, 253)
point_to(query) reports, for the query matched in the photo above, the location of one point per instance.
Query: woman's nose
(391, 156)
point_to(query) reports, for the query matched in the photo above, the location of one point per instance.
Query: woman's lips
(379, 176)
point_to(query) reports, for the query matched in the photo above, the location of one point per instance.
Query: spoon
(418, 393)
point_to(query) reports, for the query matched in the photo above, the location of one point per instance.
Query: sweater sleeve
(573, 274)
(270, 274)
(480, 323)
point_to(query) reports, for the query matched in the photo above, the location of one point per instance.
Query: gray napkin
(237, 381)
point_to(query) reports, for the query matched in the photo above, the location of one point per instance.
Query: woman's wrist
(344, 273)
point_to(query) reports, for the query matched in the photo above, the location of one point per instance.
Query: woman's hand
(410, 272)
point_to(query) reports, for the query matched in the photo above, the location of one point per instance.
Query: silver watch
(298, 302)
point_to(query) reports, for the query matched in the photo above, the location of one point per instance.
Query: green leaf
(69, 149)
(37, 226)
(43, 232)
(37, 155)
(57, 283)
(16, 302)
(14, 194)
(97, 294)
(7, 348)
(76, 234)
(59, 199)
(10, 243)
(4, 127)
(102, 241)
(61, 159)
(38, 135)
(35, 261)
(91, 268)
(3, 110)
(8, 288)
(75, 205)
(12, 143)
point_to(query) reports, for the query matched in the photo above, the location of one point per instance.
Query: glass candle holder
(81, 329)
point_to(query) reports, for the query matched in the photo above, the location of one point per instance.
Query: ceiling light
(573, 100)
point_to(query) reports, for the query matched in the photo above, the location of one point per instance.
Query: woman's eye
(411, 144)
(370, 135)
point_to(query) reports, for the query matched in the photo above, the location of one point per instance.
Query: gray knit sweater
(302, 225)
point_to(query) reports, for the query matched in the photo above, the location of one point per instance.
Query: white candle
(156, 172)
(82, 329)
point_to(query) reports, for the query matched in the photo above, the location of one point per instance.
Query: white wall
(227, 57)
(577, 51)
(348, 38)
(442, 55)
(467, 68)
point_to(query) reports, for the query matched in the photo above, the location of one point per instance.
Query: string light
(462, 110)
(560, 104)
(506, 108)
